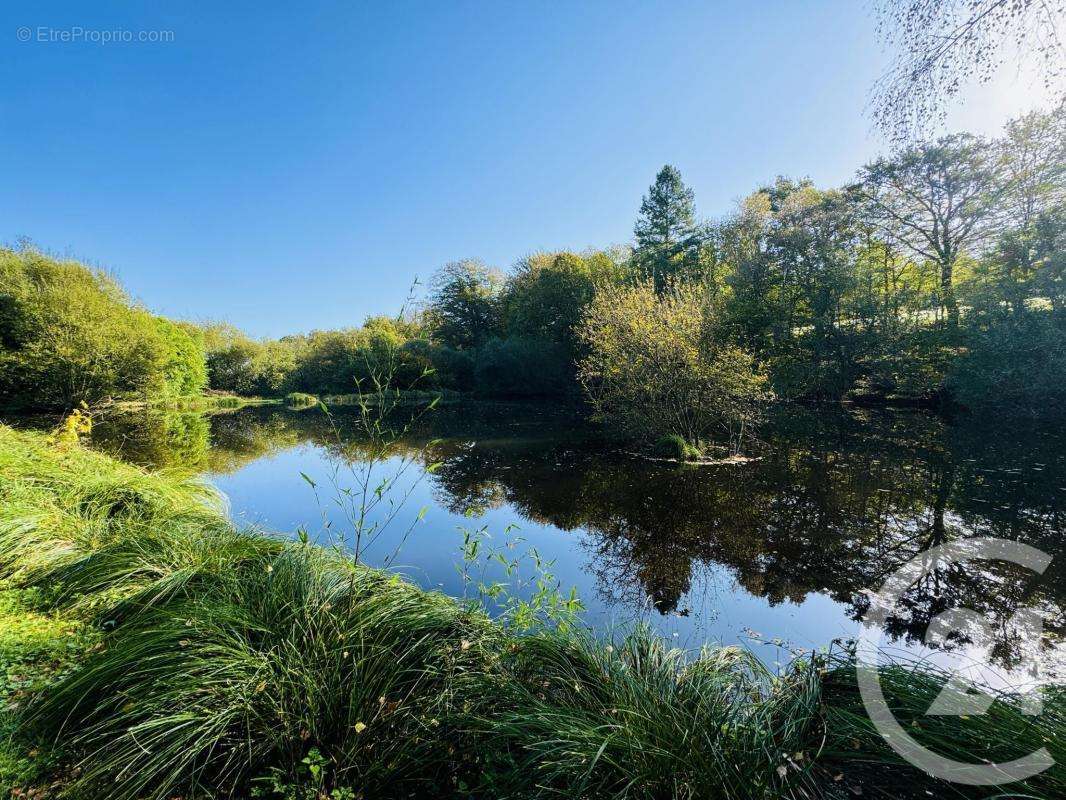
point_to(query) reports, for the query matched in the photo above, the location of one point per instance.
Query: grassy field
(152, 650)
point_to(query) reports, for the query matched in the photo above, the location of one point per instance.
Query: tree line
(934, 277)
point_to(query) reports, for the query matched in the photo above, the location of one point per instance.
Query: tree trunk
(947, 292)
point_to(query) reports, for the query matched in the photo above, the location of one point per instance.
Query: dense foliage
(478, 332)
(70, 335)
(661, 365)
(935, 277)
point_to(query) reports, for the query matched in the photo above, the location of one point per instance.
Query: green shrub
(1016, 363)
(660, 364)
(70, 335)
(444, 367)
(300, 400)
(674, 446)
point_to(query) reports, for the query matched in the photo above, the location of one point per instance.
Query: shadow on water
(837, 500)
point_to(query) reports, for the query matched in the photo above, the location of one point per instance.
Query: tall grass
(857, 755)
(233, 664)
(213, 689)
(68, 515)
(640, 720)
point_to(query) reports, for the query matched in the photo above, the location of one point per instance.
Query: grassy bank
(406, 397)
(152, 650)
(210, 401)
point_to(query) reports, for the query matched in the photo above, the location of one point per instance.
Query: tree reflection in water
(837, 501)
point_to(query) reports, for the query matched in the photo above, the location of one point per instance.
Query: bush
(69, 335)
(658, 365)
(183, 367)
(238, 364)
(443, 367)
(674, 446)
(1015, 363)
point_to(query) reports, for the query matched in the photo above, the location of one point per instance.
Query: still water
(773, 554)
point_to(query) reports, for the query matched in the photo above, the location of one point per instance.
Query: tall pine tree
(667, 241)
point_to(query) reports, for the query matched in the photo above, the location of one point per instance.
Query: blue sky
(296, 166)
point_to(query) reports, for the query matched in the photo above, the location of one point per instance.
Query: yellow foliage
(75, 425)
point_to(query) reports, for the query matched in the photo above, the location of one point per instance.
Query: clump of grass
(674, 446)
(641, 720)
(66, 512)
(856, 755)
(241, 679)
(300, 400)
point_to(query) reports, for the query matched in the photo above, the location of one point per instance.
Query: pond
(774, 554)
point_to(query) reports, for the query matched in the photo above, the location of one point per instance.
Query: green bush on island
(658, 364)
(674, 446)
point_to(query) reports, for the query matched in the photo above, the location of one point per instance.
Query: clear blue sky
(294, 166)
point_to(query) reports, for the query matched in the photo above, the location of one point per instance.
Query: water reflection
(836, 501)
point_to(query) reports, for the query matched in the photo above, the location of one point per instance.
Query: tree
(464, 308)
(1033, 159)
(1049, 263)
(229, 357)
(518, 366)
(658, 365)
(936, 201)
(1033, 155)
(942, 44)
(1015, 354)
(792, 254)
(69, 335)
(666, 232)
(182, 366)
(549, 292)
